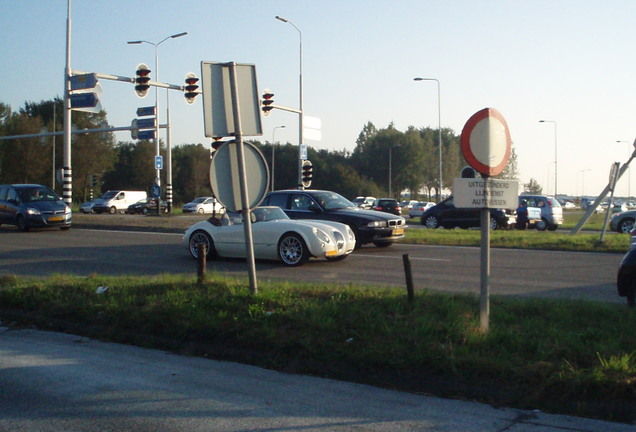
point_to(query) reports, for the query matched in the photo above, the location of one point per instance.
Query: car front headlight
(322, 236)
(377, 224)
(32, 211)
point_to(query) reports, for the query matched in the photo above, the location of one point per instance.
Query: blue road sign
(83, 82)
(84, 100)
(147, 123)
(146, 111)
(155, 191)
(147, 134)
(158, 162)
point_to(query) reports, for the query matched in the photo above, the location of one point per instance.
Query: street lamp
(555, 153)
(583, 171)
(629, 180)
(439, 130)
(390, 151)
(300, 92)
(157, 147)
(273, 151)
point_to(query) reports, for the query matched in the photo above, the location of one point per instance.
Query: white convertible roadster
(274, 236)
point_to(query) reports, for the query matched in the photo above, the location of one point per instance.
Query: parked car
(408, 205)
(388, 205)
(551, 210)
(147, 205)
(419, 208)
(619, 208)
(623, 222)
(87, 207)
(364, 202)
(203, 205)
(529, 217)
(33, 205)
(115, 201)
(275, 236)
(446, 215)
(369, 226)
(626, 278)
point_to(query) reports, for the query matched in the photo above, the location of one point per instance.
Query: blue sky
(567, 61)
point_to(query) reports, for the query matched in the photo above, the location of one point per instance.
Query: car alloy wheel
(431, 222)
(626, 226)
(292, 250)
(201, 238)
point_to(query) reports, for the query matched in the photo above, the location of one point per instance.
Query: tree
(532, 187)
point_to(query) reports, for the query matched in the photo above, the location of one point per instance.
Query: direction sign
(147, 134)
(147, 123)
(83, 82)
(84, 100)
(146, 111)
(486, 143)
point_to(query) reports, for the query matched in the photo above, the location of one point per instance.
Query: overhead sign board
(486, 143)
(485, 193)
(218, 114)
(84, 100)
(147, 123)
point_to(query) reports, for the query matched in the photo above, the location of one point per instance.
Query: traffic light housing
(266, 103)
(92, 178)
(307, 173)
(218, 142)
(191, 88)
(142, 77)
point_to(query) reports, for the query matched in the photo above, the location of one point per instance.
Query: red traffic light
(268, 100)
(141, 80)
(191, 89)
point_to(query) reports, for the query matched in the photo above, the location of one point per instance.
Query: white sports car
(275, 236)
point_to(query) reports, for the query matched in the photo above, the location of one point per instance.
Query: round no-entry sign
(486, 142)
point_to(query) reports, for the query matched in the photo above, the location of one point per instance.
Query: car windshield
(332, 200)
(38, 193)
(259, 214)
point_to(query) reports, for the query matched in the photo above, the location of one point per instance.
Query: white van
(115, 201)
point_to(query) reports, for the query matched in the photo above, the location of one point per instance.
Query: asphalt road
(53, 382)
(550, 274)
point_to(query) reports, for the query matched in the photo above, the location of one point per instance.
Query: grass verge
(569, 357)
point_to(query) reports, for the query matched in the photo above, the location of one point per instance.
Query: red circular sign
(486, 142)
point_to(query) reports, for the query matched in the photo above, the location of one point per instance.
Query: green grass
(570, 357)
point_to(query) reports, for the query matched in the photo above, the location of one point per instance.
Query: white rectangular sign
(217, 100)
(485, 193)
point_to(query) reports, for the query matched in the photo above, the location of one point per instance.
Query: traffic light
(218, 142)
(92, 178)
(141, 80)
(307, 173)
(191, 88)
(266, 103)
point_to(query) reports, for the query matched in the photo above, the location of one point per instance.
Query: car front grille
(396, 222)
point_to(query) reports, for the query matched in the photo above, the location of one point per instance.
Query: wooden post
(409, 277)
(201, 261)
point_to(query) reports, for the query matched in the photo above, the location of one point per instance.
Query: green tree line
(414, 157)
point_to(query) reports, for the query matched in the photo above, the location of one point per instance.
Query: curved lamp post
(157, 147)
(555, 153)
(300, 95)
(439, 129)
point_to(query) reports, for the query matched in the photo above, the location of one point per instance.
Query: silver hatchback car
(551, 210)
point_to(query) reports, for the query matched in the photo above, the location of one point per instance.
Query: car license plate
(56, 219)
(398, 231)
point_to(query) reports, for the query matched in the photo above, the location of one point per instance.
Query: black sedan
(148, 205)
(626, 278)
(446, 215)
(369, 226)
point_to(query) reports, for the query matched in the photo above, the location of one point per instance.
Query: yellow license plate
(56, 219)
(398, 231)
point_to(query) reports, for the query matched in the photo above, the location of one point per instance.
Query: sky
(567, 61)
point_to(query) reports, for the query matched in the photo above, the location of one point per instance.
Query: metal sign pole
(484, 297)
(247, 222)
